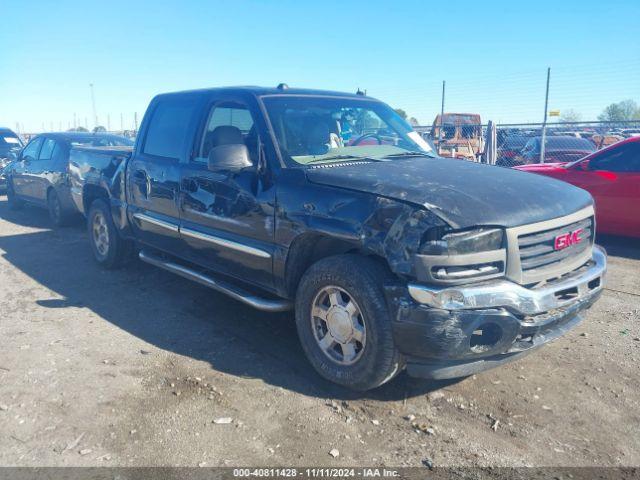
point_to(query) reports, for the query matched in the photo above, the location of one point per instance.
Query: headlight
(463, 242)
(460, 256)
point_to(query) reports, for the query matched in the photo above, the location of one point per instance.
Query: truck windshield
(312, 129)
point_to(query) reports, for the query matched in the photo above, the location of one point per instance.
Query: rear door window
(169, 128)
(59, 154)
(47, 149)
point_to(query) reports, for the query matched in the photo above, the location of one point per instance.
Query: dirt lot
(132, 367)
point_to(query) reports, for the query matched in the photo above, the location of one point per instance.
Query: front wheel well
(310, 248)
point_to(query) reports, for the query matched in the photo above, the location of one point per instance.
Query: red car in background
(612, 176)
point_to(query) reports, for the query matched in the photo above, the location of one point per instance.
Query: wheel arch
(310, 247)
(90, 193)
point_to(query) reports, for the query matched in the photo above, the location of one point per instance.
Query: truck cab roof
(257, 91)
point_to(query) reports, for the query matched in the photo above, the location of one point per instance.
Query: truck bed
(99, 166)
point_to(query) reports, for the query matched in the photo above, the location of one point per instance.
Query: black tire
(361, 279)
(117, 250)
(14, 202)
(58, 215)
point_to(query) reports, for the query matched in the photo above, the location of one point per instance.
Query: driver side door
(227, 216)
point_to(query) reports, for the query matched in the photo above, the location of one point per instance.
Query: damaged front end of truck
(473, 299)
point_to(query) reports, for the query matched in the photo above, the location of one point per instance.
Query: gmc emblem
(567, 239)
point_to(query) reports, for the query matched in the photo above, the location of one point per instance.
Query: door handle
(141, 179)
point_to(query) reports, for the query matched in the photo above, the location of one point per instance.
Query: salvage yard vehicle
(509, 149)
(39, 176)
(390, 256)
(10, 145)
(612, 176)
(557, 149)
(458, 135)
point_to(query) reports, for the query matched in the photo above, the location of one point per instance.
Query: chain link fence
(506, 145)
(509, 145)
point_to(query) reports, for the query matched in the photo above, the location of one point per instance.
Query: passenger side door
(227, 215)
(153, 173)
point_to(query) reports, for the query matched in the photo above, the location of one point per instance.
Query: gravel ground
(138, 367)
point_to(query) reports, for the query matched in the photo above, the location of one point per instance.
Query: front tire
(109, 249)
(344, 324)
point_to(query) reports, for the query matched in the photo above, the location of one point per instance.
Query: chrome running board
(265, 304)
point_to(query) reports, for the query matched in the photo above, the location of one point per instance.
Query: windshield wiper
(344, 157)
(409, 154)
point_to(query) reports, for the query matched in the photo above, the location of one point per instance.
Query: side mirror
(231, 157)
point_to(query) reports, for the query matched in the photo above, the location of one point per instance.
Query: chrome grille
(538, 255)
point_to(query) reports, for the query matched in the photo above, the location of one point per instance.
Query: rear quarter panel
(101, 168)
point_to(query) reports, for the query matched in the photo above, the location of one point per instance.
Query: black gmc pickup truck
(330, 204)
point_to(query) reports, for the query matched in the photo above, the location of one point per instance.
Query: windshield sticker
(13, 140)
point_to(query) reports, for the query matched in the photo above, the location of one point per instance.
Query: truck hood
(462, 193)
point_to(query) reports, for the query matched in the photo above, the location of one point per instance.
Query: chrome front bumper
(578, 286)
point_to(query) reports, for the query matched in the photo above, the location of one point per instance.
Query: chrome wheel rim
(100, 234)
(338, 325)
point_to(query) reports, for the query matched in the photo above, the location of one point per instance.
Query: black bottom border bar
(223, 473)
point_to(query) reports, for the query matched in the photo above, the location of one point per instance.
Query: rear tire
(14, 202)
(59, 217)
(344, 324)
(109, 249)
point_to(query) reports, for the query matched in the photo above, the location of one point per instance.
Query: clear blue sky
(492, 55)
